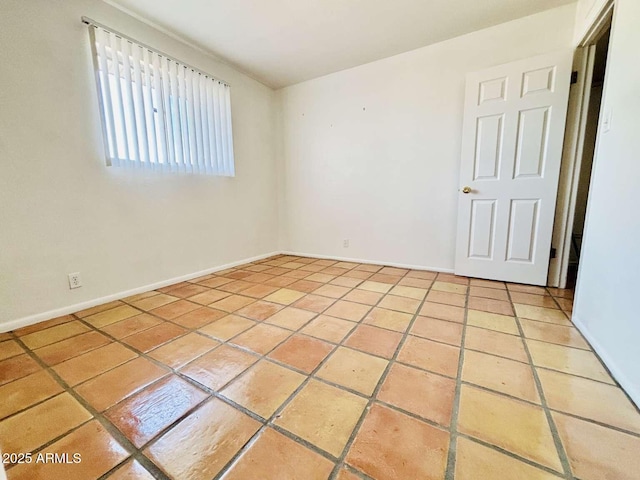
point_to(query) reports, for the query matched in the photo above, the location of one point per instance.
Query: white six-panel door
(513, 130)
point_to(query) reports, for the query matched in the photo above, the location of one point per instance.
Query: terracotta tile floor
(297, 368)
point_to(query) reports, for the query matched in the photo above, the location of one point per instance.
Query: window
(158, 113)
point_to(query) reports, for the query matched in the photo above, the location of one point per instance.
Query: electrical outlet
(345, 243)
(74, 280)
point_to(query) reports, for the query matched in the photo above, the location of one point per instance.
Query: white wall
(372, 154)
(62, 210)
(606, 308)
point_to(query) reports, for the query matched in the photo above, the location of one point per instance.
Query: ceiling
(283, 42)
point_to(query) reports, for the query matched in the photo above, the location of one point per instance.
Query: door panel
(531, 149)
(511, 149)
(536, 81)
(523, 219)
(488, 147)
(495, 89)
(482, 228)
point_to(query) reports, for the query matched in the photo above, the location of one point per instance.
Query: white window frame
(162, 114)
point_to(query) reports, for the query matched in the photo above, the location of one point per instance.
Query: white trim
(576, 124)
(574, 163)
(370, 262)
(58, 312)
(600, 21)
(627, 385)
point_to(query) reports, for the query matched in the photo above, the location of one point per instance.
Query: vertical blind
(158, 113)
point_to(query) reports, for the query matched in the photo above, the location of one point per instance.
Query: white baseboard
(632, 390)
(58, 312)
(371, 262)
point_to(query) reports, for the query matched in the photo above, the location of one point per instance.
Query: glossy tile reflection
(295, 368)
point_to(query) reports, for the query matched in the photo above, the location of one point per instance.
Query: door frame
(574, 146)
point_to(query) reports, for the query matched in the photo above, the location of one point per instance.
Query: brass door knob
(466, 189)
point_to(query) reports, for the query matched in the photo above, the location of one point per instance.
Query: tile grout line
(251, 414)
(299, 332)
(202, 387)
(355, 472)
(616, 384)
(236, 312)
(125, 443)
(484, 442)
(311, 375)
(534, 404)
(211, 393)
(515, 456)
(453, 427)
(316, 314)
(372, 398)
(382, 379)
(510, 454)
(233, 404)
(560, 450)
(409, 413)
